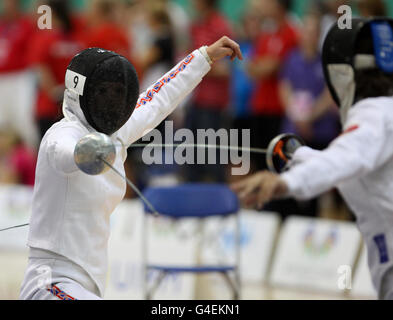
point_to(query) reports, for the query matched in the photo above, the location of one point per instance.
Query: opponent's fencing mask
(368, 45)
(107, 86)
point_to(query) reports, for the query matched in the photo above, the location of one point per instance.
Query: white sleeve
(303, 154)
(363, 147)
(164, 96)
(60, 148)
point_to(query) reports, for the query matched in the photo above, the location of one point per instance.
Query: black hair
(376, 8)
(285, 4)
(107, 8)
(211, 3)
(62, 11)
(373, 83)
(370, 83)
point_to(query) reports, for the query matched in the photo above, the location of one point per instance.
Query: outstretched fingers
(266, 192)
(260, 188)
(247, 186)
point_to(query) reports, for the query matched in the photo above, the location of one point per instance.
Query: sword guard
(281, 150)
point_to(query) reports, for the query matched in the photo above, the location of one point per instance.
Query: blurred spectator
(242, 86)
(158, 59)
(17, 162)
(180, 22)
(155, 53)
(277, 39)
(138, 11)
(372, 8)
(310, 111)
(138, 27)
(16, 81)
(50, 53)
(104, 28)
(160, 56)
(211, 97)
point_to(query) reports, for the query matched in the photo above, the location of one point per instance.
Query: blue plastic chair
(198, 201)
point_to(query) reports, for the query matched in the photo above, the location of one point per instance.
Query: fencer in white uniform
(360, 164)
(358, 65)
(69, 225)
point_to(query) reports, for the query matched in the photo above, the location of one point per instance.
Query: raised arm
(165, 95)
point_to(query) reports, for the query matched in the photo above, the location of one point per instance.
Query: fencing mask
(107, 86)
(353, 57)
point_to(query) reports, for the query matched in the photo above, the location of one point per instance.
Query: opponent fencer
(69, 225)
(358, 67)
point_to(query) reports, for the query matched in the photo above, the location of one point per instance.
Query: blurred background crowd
(278, 87)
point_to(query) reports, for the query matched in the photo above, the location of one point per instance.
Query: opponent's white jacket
(360, 163)
(70, 213)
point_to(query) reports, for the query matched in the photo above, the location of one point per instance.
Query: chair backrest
(193, 200)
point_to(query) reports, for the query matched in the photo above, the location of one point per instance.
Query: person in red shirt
(16, 80)
(278, 37)
(50, 53)
(15, 31)
(211, 97)
(104, 30)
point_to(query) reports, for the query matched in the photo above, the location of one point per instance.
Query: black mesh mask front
(111, 89)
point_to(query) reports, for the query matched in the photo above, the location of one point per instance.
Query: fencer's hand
(225, 47)
(260, 188)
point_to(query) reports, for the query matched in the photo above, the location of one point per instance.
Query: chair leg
(236, 284)
(156, 285)
(234, 287)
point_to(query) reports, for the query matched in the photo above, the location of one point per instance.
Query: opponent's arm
(361, 149)
(164, 96)
(358, 151)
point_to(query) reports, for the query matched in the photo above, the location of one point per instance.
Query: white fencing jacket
(360, 163)
(70, 212)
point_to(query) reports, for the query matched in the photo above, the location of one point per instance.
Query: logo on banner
(229, 237)
(322, 247)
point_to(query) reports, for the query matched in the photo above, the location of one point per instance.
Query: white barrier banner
(169, 242)
(258, 231)
(15, 208)
(316, 254)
